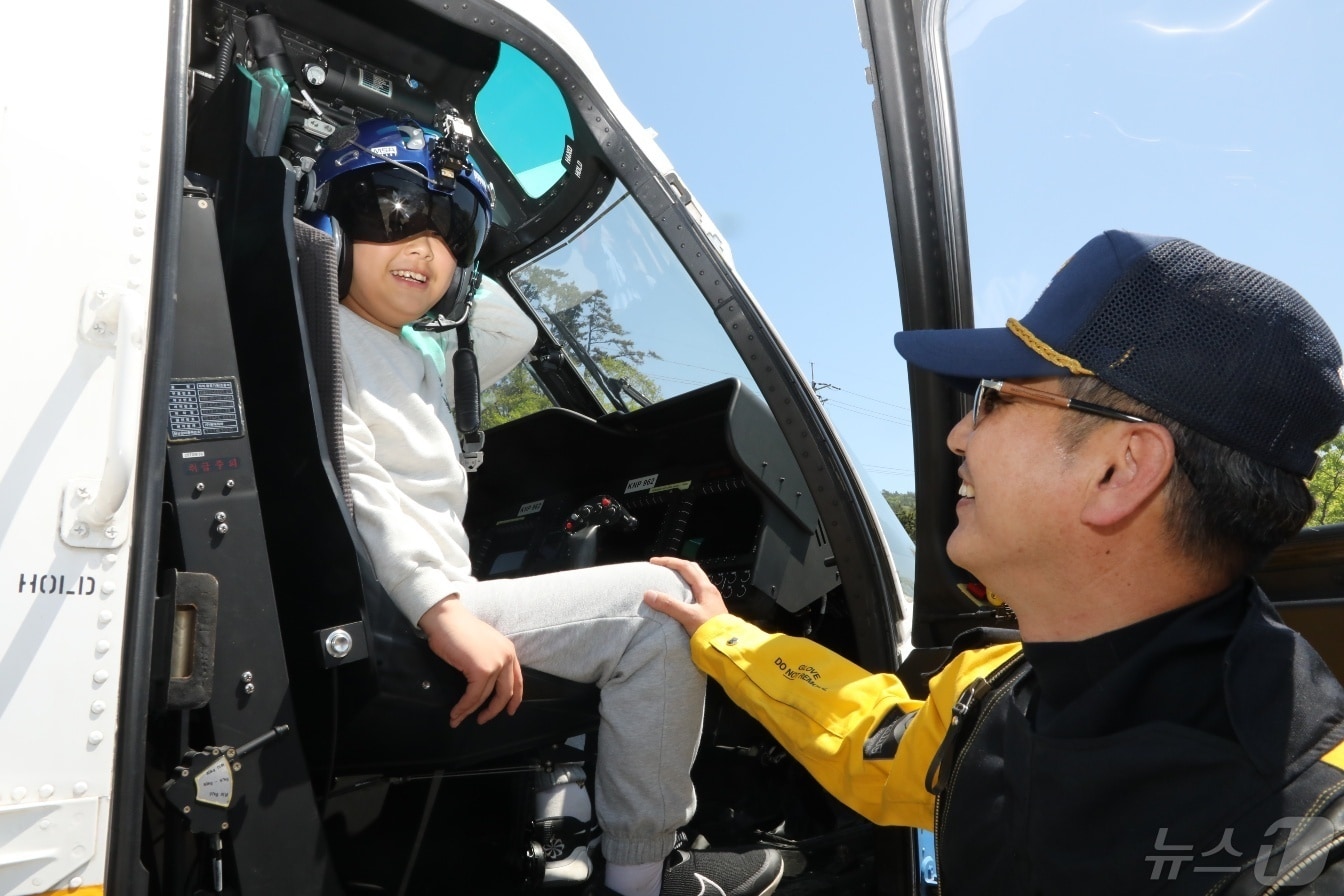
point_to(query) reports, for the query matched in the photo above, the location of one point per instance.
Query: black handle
(267, 45)
(466, 390)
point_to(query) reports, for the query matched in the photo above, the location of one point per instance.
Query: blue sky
(1214, 120)
(765, 112)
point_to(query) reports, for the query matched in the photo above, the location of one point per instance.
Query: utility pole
(816, 386)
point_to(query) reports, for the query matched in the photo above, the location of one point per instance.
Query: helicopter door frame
(921, 168)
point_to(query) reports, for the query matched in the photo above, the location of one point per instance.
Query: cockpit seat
(387, 713)
(406, 715)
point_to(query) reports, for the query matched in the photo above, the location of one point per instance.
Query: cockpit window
(524, 117)
(626, 312)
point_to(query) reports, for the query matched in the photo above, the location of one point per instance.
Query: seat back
(318, 266)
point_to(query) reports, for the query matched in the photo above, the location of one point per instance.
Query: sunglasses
(990, 392)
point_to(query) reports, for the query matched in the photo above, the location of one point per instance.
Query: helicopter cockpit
(635, 428)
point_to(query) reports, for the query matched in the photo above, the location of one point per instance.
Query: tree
(584, 324)
(903, 505)
(1327, 486)
(516, 395)
(586, 315)
(619, 370)
(585, 318)
(597, 331)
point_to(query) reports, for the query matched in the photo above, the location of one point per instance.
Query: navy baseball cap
(1222, 348)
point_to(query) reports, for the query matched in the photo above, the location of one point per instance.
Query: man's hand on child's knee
(708, 601)
(482, 654)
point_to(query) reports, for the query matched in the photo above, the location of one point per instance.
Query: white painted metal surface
(47, 844)
(81, 110)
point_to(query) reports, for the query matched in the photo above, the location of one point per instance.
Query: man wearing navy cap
(1138, 443)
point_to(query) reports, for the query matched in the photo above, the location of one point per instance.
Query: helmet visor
(385, 205)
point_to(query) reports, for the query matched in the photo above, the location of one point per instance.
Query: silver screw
(339, 643)
(249, 689)
(82, 492)
(424, 685)
(228, 483)
(80, 529)
(200, 486)
(221, 517)
(222, 528)
(110, 531)
(247, 676)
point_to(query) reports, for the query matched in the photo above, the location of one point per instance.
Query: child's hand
(708, 600)
(479, 652)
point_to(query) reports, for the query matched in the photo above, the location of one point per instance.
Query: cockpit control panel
(705, 476)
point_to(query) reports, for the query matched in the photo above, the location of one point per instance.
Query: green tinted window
(523, 115)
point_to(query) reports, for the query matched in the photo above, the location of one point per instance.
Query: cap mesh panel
(1218, 347)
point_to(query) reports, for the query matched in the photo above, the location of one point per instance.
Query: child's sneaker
(722, 872)
(717, 872)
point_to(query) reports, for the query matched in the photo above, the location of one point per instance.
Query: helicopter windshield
(626, 311)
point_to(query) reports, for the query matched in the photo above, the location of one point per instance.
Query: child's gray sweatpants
(591, 625)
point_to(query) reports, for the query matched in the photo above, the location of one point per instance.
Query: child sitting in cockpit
(416, 216)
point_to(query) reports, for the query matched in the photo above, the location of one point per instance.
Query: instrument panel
(705, 476)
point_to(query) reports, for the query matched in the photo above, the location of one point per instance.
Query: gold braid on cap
(1039, 347)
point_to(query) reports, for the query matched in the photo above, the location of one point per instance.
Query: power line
(664, 378)
(722, 373)
(892, 404)
(896, 471)
(818, 387)
(865, 412)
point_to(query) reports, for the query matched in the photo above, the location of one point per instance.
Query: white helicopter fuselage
(81, 193)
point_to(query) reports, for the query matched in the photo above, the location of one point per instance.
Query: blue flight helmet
(385, 180)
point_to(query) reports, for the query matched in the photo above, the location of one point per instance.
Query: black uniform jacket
(1176, 756)
(1198, 752)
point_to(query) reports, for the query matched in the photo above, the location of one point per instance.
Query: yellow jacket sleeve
(822, 708)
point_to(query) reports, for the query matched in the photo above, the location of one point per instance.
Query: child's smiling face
(394, 284)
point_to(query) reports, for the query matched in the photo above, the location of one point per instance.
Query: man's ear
(1133, 463)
